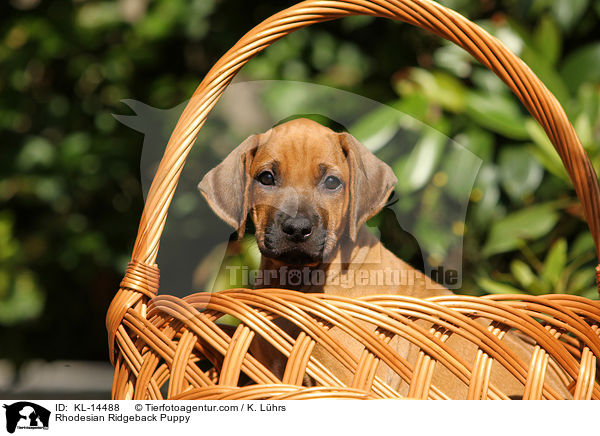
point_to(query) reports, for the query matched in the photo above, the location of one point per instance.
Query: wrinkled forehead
(300, 146)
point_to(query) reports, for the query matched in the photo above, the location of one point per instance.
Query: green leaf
(520, 173)
(356, 21)
(461, 167)
(432, 238)
(485, 195)
(494, 287)
(544, 151)
(450, 92)
(581, 280)
(555, 262)
(522, 272)
(98, 15)
(547, 39)
(478, 141)
(581, 66)
(585, 131)
(376, 128)
(251, 252)
(24, 300)
(568, 13)
(37, 152)
(323, 50)
(415, 105)
(439, 88)
(514, 229)
(454, 59)
(591, 293)
(9, 244)
(414, 171)
(500, 113)
(584, 244)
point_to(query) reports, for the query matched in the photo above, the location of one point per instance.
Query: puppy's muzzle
(297, 229)
(294, 239)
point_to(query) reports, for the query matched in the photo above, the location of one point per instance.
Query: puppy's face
(304, 186)
(299, 193)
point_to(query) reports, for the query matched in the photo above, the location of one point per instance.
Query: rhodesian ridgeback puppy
(309, 192)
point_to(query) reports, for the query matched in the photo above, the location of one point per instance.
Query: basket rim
(173, 327)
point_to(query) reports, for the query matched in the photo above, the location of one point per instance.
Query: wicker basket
(159, 344)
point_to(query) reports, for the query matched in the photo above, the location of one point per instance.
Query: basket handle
(425, 14)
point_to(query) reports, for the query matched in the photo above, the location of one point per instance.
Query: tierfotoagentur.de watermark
(305, 277)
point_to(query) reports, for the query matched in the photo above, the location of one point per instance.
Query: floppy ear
(226, 186)
(371, 182)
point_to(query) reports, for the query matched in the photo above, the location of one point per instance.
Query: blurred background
(70, 188)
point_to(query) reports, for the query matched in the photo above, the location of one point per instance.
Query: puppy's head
(305, 187)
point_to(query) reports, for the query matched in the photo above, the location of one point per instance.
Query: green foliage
(69, 185)
(20, 296)
(515, 229)
(581, 66)
(522, 212)
(561, 271)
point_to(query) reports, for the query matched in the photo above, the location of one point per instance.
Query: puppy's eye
(332, 183)
(266, 178)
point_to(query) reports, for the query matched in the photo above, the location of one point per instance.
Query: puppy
(309, 192)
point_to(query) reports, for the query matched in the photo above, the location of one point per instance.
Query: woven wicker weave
(160, 345)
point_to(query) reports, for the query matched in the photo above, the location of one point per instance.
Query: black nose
(297, 229)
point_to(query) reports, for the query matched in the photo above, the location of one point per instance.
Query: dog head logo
(412, 151)
(26, 415)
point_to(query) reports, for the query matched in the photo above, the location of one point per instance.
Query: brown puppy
(309, 191)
